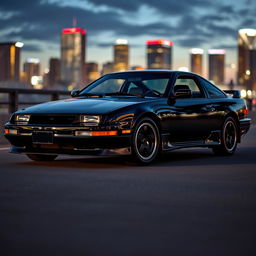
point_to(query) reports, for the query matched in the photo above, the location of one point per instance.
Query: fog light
(96, 133)
(12, 131)
(82, 133)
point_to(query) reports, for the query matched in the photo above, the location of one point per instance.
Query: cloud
(225, 46)
(188, 23)
(32, 48)
(192, 42)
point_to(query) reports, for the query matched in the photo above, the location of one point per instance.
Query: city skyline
(188, 24)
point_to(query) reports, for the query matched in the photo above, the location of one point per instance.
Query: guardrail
(13, 96)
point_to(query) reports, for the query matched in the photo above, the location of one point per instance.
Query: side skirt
(212, 140)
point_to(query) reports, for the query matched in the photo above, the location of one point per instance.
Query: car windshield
(129, 84)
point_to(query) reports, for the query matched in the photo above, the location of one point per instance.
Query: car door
(188, 116)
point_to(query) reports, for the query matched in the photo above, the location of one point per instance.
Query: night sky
(189, 23)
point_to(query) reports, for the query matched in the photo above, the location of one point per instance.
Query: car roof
(154, 71)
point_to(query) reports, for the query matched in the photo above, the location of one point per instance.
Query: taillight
(246, 112)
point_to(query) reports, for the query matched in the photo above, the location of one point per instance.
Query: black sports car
(134, 112)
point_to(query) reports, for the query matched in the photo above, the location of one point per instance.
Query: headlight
(22, 119)
(87, 120)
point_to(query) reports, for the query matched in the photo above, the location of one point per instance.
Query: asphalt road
(188, 203)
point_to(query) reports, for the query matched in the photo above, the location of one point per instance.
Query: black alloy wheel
(229, 138)
(146, 141)
(38, 157)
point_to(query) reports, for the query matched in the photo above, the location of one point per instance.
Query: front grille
(52, 119)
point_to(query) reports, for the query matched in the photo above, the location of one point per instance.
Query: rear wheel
(229, 138)
(146, 141)
(38, 157)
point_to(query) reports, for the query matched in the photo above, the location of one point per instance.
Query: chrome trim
(27, 127)
(63, 135)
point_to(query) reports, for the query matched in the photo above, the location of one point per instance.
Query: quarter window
(212, 90)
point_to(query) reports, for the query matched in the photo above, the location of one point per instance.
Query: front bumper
(65, 141)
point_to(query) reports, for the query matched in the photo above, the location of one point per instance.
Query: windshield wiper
(91, 95)
(122, 94)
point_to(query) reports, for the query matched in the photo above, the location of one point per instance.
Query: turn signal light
(6, 131)
(103, 133)
(126, 131)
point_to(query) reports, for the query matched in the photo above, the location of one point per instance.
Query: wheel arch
(151, 115)
(234, 115)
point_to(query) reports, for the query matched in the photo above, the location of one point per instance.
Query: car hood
(84, 105)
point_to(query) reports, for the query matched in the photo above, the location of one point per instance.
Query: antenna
(74, 22)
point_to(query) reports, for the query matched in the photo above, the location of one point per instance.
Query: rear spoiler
(233, 93)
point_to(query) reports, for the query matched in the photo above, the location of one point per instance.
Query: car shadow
(183, 157)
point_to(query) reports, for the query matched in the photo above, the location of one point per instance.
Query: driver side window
(196, 91)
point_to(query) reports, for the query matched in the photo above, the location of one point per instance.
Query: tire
(229, 138)
(38, 157)
(146, 141)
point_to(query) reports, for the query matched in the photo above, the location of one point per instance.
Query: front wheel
(146, 141)
(38, 157)
(229, 137)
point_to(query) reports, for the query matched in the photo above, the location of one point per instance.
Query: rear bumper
(245, 124)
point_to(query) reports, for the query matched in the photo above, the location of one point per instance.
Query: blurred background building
(31, 68)
(121, 55)
(54, 72)
(247, 58)
(107, 67)
(196, 61)
(10, 61)
(92, 72)
(72, 57)
(216, 65)
(159, 54)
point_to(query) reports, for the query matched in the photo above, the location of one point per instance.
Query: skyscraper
(72, 56)
(121, 55)
(247, 58)
(159, 54)
(10, 61)
(54, 71)
(196, 60)
(216, 65)
(31, 68)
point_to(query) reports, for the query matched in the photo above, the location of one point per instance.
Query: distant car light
(88, 120)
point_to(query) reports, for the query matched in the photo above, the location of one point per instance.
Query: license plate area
(42, 137)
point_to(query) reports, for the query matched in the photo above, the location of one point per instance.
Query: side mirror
(74, 93)
(183, 93)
